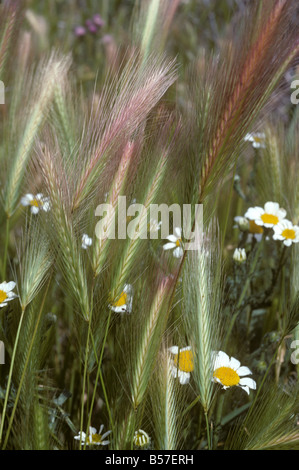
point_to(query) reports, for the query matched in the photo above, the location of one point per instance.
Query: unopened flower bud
(243, 223)
(239, 255)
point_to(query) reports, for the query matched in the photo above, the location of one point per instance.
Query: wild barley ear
(61, 229)
(34, 262)
(202, 288)
(11, 17)
(147, 334)
(270, 423)
(41, 89)
(237, 83)
(116, 190)
(150, 25)
(123, 107)
(168, 398)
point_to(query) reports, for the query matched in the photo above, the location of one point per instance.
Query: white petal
(260, 222)
(174, 372)
(281, 213)
(287, 242)
(246, 389)
(11, 295)
(120, 309)
(178, 252)
(178, 232)
(234, 363)
(268, 225)
(104, 443)
(172, 238)
(174, 349)
(46, 206)
(187, 348)
(101, 429)
(127, 288)
(221, 360)
(256, 145)
(106, 434)
(34, 210)
(184, 377)
(248, 382)
(25, 200)
(7, 286)
(243, 371)
(253, 213)
(169, 246)
(271, 207)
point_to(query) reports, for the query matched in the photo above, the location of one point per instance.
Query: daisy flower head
(286, 232)
(249, 226)
(268, 216)
(6, 292)
(94, 437)
(257, 139)
(182, 363)
(228, 372)
(36, 203)
(175, 243)
(124, 303)
(141, 439)
(86, 241)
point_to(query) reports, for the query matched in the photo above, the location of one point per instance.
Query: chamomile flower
(175, 243)
(124, 302)
(228, 372)
(257, 139)
(6, 294)
(286, 232)
(86, 241)
(182, 363)
(269, 216)
(249, 226)
(141, 438)
(94, 437)
(239, 255)
(36, 203)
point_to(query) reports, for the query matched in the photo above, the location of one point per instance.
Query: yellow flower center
(3, 296)
(122, 300)
(257, 139)
(254, 228)
(36, 203)
(289, 233)
(227, 376)
(184, 361)
(95, 439)
(270, 219)
(140, 439)
(178, 242)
